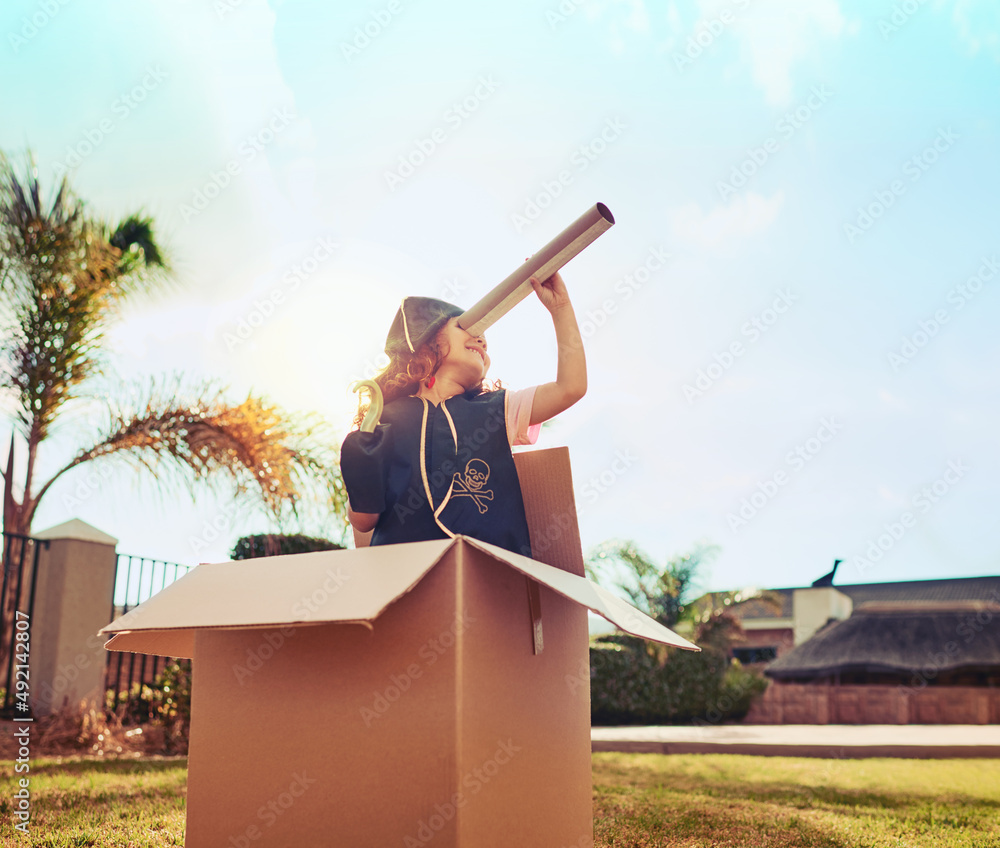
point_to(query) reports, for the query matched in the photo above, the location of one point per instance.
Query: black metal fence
(137, 580)
(17, 600)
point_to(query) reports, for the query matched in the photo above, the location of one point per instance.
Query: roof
(763, 608)
(899, 639)
(357, 586)
(986, 589)
(77, 530)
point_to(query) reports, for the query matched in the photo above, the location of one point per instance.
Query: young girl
(439, 462)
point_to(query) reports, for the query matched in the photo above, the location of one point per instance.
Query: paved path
(806, 740)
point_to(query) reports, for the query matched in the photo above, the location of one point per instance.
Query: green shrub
(635, 683)
(165, 704)
(172, 700)
(277, 544)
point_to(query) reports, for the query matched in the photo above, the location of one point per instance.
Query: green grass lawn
(81, 802)
(739, 801)
(639, 800)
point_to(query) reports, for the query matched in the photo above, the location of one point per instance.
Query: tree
(64, 277)
(665, 593)
(633, 680)
(662, 592)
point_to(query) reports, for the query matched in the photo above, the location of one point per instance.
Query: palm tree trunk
(17, 516)
(9, 504)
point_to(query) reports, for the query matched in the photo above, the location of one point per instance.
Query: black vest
(446, 470)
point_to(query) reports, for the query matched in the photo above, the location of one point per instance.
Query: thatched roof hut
(939, 643)
(778, 603)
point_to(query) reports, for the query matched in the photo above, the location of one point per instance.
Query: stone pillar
(73, 595)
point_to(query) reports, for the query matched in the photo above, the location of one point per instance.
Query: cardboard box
(433, 693)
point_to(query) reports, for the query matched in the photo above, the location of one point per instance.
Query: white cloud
(978, 25)
(751, 213)
(729, 484)
(890, 496)
(776, 36)
(674, 25)
(632, 16)
(638, 18)
(893, 402)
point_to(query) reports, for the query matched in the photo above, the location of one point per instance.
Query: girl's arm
(361, 468)
(362, 522)
(571, 373)
(362, 540)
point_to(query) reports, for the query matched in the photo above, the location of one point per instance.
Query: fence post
(76, 579)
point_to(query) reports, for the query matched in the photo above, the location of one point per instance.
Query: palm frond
(63, 280)
(252, 449)
(659, 591)
(136, 233)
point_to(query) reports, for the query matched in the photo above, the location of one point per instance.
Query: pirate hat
(416, 322)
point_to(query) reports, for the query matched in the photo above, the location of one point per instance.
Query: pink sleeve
(519, 431)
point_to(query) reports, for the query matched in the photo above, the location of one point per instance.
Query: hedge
(276, 544)
(632, 682)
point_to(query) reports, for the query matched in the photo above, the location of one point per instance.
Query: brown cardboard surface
(300, 588)
(438, 726)
(165, 643)
(550, 507)
(588, 594)
(309, 713)
(537, 704)
(397, 695)
(338, 586)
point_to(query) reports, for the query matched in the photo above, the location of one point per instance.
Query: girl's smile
(466, 359)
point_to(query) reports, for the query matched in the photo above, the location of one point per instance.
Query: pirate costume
(433, 472)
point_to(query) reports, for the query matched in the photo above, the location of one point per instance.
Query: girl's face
(466, 360)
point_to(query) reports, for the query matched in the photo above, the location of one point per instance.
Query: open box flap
(587, 593)
(162, 643)
(352, 586)
(325, 586)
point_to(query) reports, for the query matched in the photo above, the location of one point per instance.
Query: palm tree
(659, 591)
(637, 677)
(665, 592)
(64, 277)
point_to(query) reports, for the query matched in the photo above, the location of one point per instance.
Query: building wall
(797, 703)
(780, 638)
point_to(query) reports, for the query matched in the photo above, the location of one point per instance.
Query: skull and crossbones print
(471, 483)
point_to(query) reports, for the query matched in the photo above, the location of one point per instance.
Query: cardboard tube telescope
(595, 221)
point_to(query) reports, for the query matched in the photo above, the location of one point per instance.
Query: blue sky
(813, 371)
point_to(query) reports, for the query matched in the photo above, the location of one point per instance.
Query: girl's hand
(571, 371)
(552, 293)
